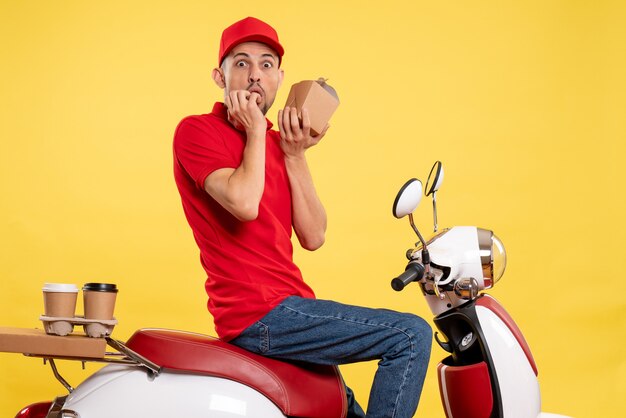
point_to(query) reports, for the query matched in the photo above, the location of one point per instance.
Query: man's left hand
(295, 139)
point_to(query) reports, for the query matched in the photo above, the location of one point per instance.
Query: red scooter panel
(36, 410)
(465, 390)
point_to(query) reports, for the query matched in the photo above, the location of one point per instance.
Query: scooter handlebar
(414, 271)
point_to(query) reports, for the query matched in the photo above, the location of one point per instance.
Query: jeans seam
(404, 377)
(264, 335)
(351, 320)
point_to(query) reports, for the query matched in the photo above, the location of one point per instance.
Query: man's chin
(265, 106)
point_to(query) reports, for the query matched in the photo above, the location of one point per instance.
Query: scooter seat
(298, 389)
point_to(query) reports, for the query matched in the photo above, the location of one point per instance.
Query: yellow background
(523, 101)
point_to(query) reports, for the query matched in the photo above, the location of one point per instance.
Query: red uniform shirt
(249, 264)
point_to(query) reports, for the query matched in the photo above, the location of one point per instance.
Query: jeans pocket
(264, 337)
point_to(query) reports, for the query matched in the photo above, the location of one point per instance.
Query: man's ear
(218, 77)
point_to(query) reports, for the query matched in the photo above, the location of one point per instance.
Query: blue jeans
(330, 333)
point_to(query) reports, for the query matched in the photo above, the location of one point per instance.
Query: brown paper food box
(319, 102)
(37, 342)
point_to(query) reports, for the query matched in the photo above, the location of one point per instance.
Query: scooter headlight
(492, 257)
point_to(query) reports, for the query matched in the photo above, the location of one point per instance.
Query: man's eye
(267, 65)
(240, 64)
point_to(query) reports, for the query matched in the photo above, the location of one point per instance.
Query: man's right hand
(244, 112)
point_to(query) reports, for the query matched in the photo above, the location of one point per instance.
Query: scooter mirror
(436, 175)
(408, 198)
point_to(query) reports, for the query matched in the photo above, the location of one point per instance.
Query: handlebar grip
(414, 271)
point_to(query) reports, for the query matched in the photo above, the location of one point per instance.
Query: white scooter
(164, 373)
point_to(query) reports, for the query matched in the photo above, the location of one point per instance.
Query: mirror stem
(417, 231)
(435, 210)
(425, 254)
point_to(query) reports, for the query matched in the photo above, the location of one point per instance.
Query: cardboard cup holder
(94, 328)
(60, 304)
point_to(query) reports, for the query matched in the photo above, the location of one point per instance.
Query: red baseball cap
(249, 29)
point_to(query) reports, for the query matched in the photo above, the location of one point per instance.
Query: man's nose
(255, 74)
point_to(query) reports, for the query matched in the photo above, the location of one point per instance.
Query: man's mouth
(256, 89)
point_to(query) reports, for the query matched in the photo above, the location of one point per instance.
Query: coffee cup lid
(60, 287)
(100, 287)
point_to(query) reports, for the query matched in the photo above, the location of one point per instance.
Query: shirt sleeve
(200, 149)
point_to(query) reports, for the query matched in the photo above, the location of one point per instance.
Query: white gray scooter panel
(123, 391)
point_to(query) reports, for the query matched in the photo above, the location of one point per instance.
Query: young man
(244, 187)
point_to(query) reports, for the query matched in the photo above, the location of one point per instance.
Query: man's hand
(244, 112)
(294, 140)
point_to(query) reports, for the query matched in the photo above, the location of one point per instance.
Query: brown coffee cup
(59, 300)
(99, 300)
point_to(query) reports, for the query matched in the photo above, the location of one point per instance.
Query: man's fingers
(281, 128)
(238, 98)
(286, 118)
(243, 96)
(255, 98)
(306, 122)
(295, 122)
(234, 101)
(237, 101)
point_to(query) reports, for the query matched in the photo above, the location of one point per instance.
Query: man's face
(252, 66)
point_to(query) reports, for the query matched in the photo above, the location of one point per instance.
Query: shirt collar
(220, 110)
